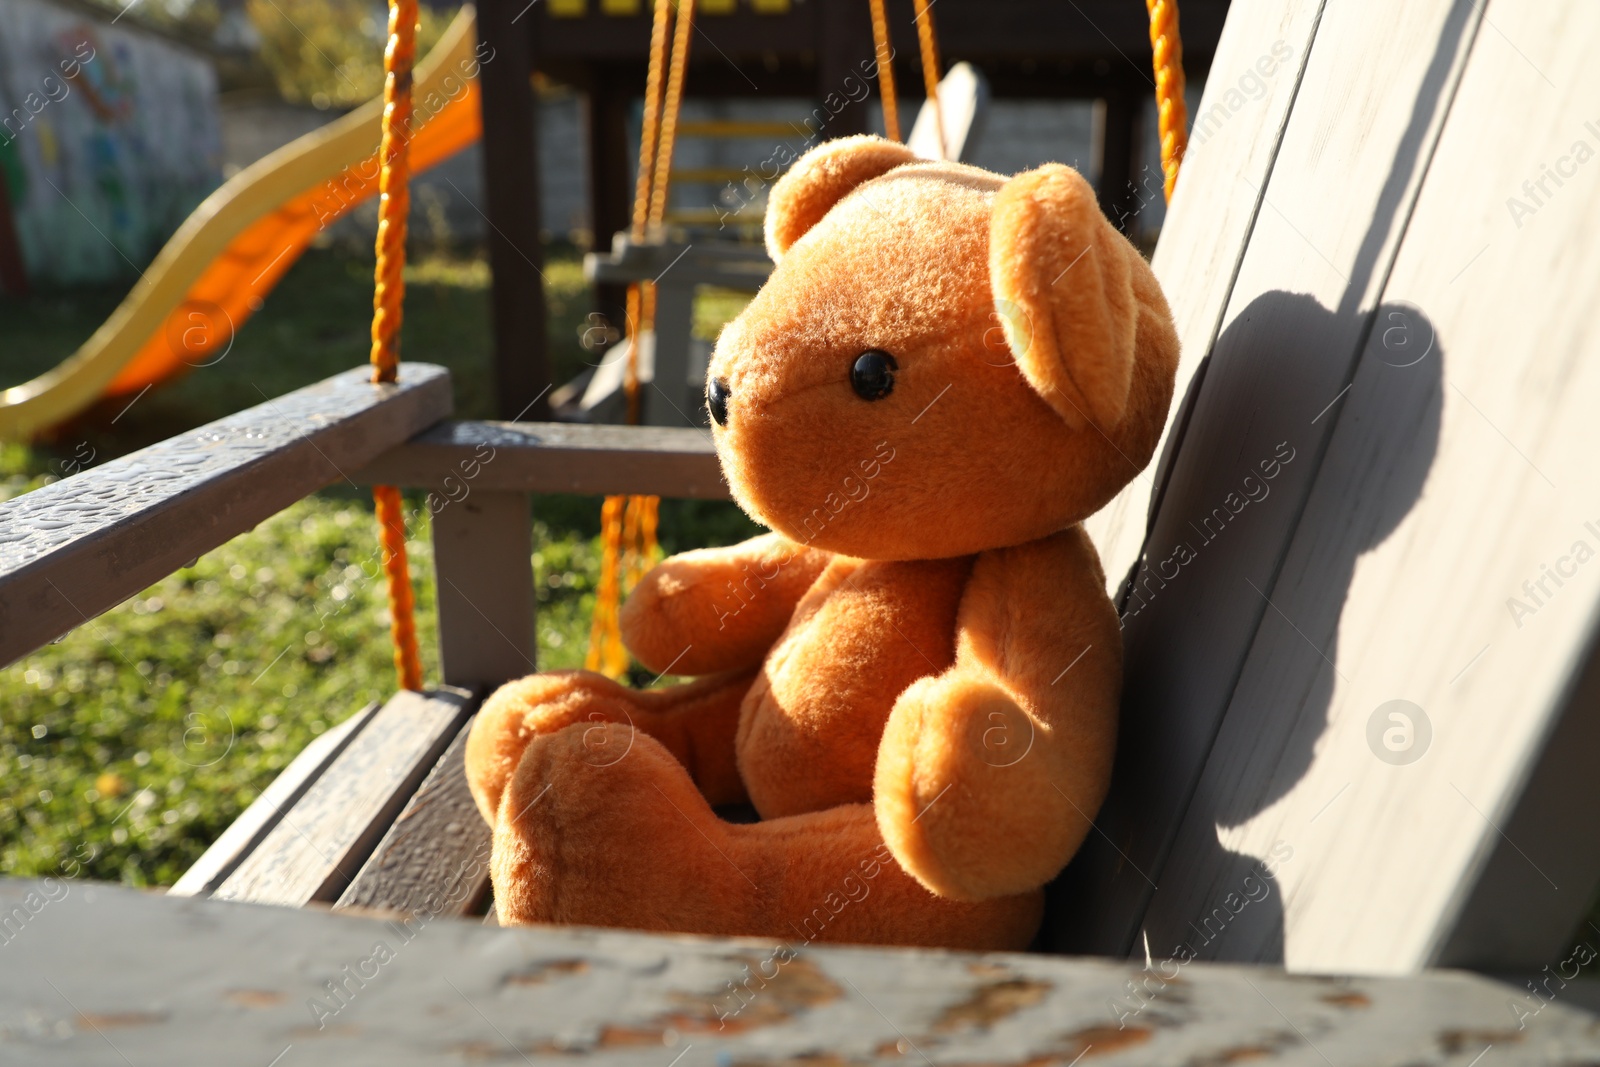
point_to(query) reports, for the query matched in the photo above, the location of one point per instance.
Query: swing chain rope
(885, 59)
(628, 524)
(677, 71)
(930, 68)
(1166, 48)
(649, 133)
(388, 296)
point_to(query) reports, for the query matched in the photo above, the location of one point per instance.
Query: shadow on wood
(1211, 540)
(1277, 381)
(1396, 435)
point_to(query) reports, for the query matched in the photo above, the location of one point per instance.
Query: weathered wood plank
(553, 457)
(72, 549)
(1374, 92)
(729, 266)
(1232, 144)
(256, 821)
(1459, 478)
(483, 569)
(320, 844)
(107, 975)
(435, 858)
(675, 397)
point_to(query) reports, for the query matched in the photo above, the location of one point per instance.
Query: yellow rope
(388, 295)
(628, 524)
(1167, 58)
(880, 42)
(640, 533)
(930, 66)
(669, 117)
(605, 636)
(651, 129)
(649, 134)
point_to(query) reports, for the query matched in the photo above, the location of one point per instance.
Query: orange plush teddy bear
(914, 679)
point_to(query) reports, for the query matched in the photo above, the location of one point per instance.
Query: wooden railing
(327, 830)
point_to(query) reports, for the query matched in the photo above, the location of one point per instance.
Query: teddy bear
(913, 679)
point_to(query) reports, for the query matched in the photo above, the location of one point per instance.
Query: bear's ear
(1063, 291)
(820, 179)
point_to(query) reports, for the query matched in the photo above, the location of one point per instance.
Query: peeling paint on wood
(177, 980)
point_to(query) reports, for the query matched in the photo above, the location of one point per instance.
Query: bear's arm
(718, 609)
(990, 774)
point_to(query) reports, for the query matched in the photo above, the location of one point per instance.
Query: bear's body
(914, 680)
(826, 689)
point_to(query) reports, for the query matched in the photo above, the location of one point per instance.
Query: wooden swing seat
(1385, 427)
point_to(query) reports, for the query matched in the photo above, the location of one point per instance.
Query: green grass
(128, 746)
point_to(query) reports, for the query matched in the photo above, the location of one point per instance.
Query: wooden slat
(552, 457)
(731, 128)
(319, 844)
(74, 548)
(676, 396)
(434, 860)
(1448, 483)
(1236, 131)
(109, 975)
(483, 571)
(1341, 188)
(256, 821)
(730, 266)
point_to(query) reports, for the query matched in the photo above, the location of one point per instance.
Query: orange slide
(215, 271)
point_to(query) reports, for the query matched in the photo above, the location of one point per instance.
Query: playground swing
(1236, 733)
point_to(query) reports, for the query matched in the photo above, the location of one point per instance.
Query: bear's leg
(634, 844)
(696, 722)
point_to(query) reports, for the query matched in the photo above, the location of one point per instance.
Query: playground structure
(220, 265)
(776, 49)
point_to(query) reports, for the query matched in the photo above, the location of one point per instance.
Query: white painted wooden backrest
(963, 105)
(1385, 428)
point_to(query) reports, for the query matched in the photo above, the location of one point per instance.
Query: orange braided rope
(880, 43)
(1167, 57)
(669, 118)
(630, 375)
(606, 653)
(644, 512)
(402, 603)
(388, 296)
(930, 66)
(661, 163)
(628, 524)
(649, 133)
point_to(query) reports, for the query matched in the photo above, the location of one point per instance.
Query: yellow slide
(231, 251)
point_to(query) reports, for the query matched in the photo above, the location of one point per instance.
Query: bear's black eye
(872, 377)
(717, 393)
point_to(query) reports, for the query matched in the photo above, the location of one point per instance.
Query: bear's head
(943, 361)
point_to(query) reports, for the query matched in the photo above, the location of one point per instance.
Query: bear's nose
(717, 393)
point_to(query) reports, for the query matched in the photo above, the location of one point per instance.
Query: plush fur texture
(914, 679)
